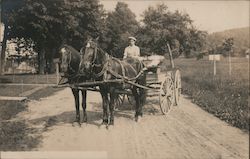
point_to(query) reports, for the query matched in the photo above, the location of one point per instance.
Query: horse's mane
(73, 50)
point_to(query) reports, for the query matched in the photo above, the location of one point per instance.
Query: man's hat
(133, 38)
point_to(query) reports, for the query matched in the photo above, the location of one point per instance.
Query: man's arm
(125, 53)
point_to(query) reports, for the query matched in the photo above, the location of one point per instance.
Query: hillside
(240, 35)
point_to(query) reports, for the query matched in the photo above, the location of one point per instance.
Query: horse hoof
(76, 124)
(111, 122)
(110, 127)
(84, 124)
(84, 121)
(103, 126)
(138, 119)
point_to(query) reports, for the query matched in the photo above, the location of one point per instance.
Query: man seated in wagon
(131, 51)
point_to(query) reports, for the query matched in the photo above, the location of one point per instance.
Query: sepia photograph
(124, 79)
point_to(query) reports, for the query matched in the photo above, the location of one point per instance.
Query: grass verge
(14, 135)
(17, 135)
(225, 96)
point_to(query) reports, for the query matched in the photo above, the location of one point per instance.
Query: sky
(211, 16)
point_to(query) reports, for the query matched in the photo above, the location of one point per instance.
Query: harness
(106, 69)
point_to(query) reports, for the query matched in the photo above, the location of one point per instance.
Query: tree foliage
(224, 48)
(162, 26)
(120, 24)
(240, 40)
(50, 23)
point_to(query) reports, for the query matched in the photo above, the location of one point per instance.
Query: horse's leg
(113, 98)
(76, 96)
(105, 103)
(142, 94)
(137, 105)
(84, 105)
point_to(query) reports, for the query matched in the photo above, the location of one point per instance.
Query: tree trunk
(3, 50)
(41, 61)
(51, 57)
(50, 54)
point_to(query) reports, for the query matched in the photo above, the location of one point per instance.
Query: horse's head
(90, 55)
(69, 61)
(64, 59)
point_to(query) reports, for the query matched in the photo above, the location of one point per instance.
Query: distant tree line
(238, 38)
(48, 24)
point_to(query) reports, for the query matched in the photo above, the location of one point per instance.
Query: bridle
(69, 67)
(93, 62)
(105, 66)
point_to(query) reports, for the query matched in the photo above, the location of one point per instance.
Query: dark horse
(102, 67)
(70, 61)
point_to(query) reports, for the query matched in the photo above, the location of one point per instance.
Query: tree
(8, 8)
(224, 48)
(120, 24)
(228, 44)
(161, 26)
(241, 41)
(50, 23)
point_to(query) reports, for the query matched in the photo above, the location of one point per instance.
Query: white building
(1, 32)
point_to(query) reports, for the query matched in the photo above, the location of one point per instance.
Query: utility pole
(214, 66)
(230, 63)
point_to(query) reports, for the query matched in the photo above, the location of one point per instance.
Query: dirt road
(187, 131)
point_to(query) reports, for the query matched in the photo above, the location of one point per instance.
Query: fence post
(230, 63)
(22, 88)
(47, 78)
(214, 67)
(57, 73)
(36, 79)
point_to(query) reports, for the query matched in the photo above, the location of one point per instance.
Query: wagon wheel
(166, 95)
(177, 87)
(119, 101)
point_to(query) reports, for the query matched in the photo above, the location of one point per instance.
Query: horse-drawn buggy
(96, 70)
(164, 84)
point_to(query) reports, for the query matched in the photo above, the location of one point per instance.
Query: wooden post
(13, 71)
(214, 58)
(22, 88)
(57, 61)
(171, 57)
(57, 73)
(47, 78)
(36, 79)
(214, 67)
(230, 63)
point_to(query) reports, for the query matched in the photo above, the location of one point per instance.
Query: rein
(69, 64)
(107, 69)
(105, 65)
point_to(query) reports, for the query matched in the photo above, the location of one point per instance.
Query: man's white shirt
(131, 51)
